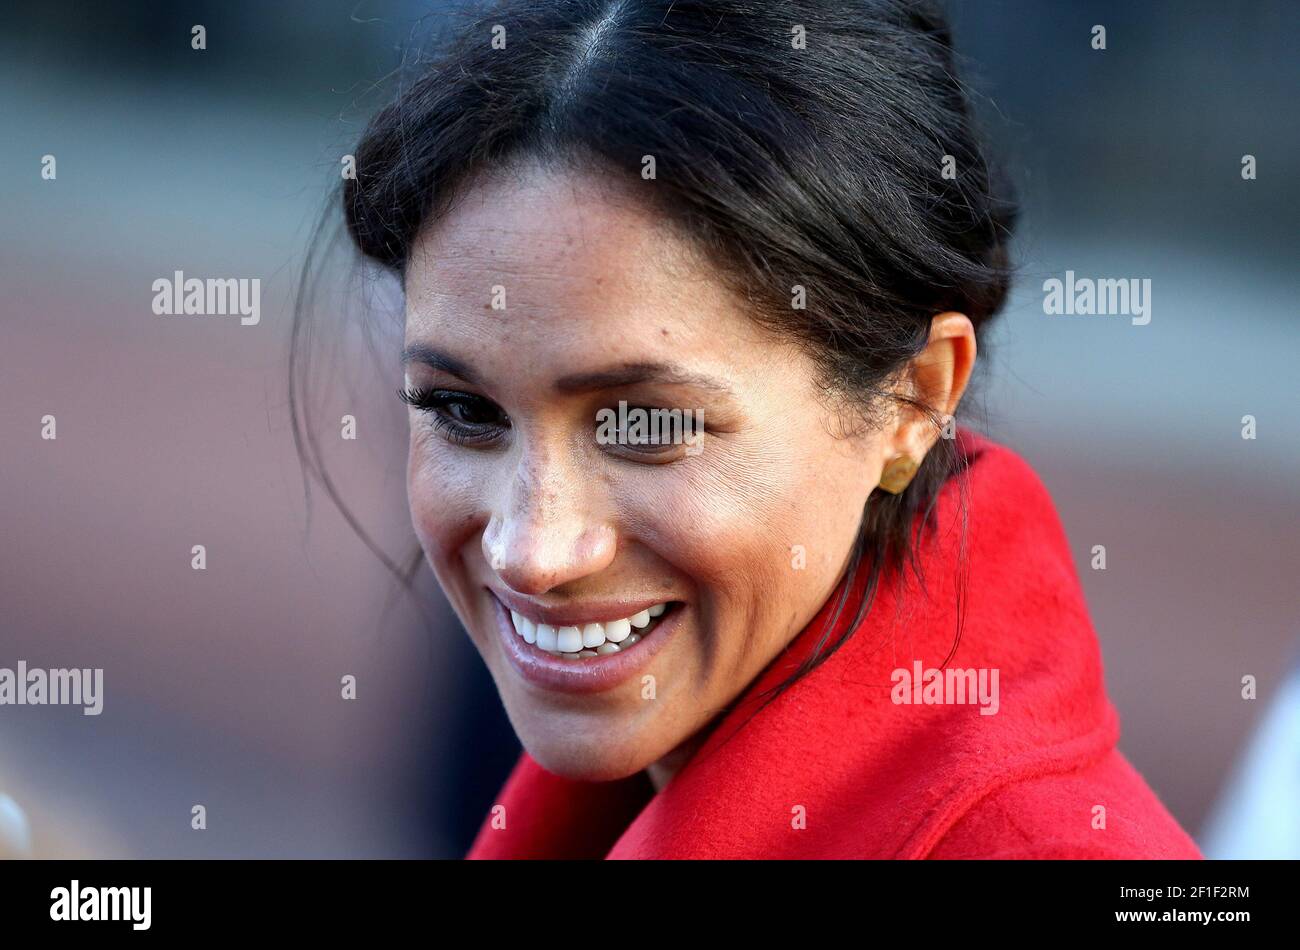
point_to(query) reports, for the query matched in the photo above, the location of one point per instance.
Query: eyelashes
(463, 418)
(468, 420)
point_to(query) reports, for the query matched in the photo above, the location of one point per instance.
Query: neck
(661, 773)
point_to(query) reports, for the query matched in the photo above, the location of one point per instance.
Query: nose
(550, 529)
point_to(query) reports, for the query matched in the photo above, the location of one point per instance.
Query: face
(624, 581)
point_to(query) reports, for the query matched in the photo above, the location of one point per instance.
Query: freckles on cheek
(729, 542)
(445, 501)
(728, 528)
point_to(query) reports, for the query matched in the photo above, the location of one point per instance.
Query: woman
(693, 293)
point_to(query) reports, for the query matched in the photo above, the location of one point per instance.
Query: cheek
(762, 535)
(444, 494)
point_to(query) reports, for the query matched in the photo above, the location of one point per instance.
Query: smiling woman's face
(521, 504)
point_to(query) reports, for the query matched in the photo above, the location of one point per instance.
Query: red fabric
(877, 779)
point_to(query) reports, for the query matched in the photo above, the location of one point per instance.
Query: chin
(594, 760)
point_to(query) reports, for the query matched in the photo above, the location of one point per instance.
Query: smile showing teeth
(592, 639)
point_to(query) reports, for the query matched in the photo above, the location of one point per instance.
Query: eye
(463, 418)
(649, 434)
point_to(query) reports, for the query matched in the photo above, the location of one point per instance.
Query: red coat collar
(871, 778)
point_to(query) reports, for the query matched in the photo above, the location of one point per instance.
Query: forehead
(573, 255)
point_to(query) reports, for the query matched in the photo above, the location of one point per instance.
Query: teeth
(589, 640)
(593, 635)
(568, 640)
(525, 627)
(546, 636)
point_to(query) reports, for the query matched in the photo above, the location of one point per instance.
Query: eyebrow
(629, 374)
(429, 356)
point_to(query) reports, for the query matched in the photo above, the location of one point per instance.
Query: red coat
(836, 768)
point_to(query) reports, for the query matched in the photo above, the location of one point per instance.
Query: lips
(583, 649)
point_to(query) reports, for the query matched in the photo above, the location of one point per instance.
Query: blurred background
(223, 685)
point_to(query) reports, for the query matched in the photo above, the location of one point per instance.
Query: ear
(937, 377)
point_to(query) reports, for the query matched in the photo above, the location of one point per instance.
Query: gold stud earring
(898, 473)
